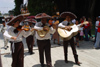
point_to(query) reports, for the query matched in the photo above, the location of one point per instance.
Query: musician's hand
(68, 28)
(32, 29)
(14, 38)
(81, 25)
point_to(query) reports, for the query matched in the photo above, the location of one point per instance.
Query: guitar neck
(86, 22)
(79, 24)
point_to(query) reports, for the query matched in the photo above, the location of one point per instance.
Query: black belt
(43, 40)
(15, 42)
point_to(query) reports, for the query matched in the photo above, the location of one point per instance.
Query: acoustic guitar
(42, 33)
(66, 34)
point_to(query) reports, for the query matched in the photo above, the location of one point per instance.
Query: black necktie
(68, 23)
(43, 25)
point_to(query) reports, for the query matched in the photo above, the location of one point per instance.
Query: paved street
(88, 56)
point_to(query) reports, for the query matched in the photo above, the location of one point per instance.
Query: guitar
(42, 33)
(66, 34)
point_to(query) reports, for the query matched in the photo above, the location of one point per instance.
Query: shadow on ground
(37, 65)
(8, 55)
(61, 63)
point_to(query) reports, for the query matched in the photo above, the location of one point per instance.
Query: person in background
(2, 29)
(81, 33)
(56, 35)
(96, 28)
(30, 38)
(86, 29)
(90, 26)
(97, 43)
(77, 36)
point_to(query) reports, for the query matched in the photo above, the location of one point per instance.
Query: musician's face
(43, 20)
(16, 24)
(68, 18)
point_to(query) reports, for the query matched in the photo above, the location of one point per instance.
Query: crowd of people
(19, 27)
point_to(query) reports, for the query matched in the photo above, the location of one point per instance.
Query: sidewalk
(87, 55)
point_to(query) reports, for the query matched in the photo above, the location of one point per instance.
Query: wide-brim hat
(42, 15)
(64, 14)
(25, 14)
(17, 18)
(31, 17)
(30, 20)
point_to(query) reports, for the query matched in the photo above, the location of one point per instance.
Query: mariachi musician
(43, 43)
(15, 34)
(68, 17)
(30, 38)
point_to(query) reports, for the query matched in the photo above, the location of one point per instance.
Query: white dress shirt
(63, 24)
(9, 33)
(96, 24)
(38, 26)
(2, 28)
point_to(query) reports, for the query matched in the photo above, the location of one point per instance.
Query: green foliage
(17, 6)
(0, 13)
(40, 6)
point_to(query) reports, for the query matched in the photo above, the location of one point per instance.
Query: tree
(40, 6)
(17, 6)
(88, 8)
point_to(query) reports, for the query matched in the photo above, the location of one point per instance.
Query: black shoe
(42, 65)
(49, 65)
(59, 44)
(96, 48)
(66, 61)
(31, 53)
(78, 63)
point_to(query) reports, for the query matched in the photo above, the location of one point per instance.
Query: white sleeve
(26, 33)
(52, 30)
(61, 25)
(7, 35)
(37, 27)
(96, 23)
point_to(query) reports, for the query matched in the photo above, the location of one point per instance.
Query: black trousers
(44, 46)
(65, 46)
(17, 55)
(30, 43)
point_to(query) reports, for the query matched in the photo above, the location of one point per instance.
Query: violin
(25, 27)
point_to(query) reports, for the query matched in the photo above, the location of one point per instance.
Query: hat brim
(64, 14)
(17, 18)
(30, 20)
(31, 17)
(26, 14)
(39, 16)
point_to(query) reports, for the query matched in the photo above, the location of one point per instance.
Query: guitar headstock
(85, 22)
